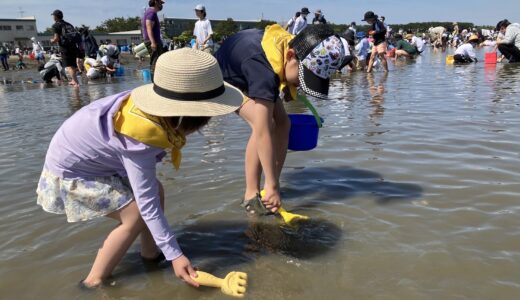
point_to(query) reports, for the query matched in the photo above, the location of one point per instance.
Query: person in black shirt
(378, 31)
(69, 51)
(90, 44)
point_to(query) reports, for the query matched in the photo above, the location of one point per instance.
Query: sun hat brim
(311, 84)
(147, 100)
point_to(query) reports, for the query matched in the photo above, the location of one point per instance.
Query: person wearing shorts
(379, 32)
(68, 54)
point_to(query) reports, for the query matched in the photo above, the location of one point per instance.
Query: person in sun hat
(269, 65)
(301, 21)
(101, 161)
(415, 41)
(94, 68)
(319, 18)
(466, 52)
(404, 48)
(379, 32)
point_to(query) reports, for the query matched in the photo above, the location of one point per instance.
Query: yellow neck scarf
(147, 129)
(276, 44)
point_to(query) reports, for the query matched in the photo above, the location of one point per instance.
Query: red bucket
(490, 58)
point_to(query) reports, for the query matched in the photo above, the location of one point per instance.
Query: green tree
(225, 29)
(338, 28)
(185, 36)
(119, 24)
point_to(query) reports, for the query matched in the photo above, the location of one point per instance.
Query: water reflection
(377, 91)
(504, 80)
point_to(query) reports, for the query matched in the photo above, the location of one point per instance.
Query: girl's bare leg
(116, 244)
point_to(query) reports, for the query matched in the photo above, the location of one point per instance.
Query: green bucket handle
(307, 103)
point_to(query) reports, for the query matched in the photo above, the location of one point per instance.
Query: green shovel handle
(311, 108)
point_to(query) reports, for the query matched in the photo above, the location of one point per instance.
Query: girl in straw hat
(101, 161)
(466, 52)
(267, 65)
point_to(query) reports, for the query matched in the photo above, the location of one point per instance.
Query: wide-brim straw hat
(187, 82)
(473, 37)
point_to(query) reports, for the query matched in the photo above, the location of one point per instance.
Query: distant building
(122, 38)
(176, 26)
(18, 32)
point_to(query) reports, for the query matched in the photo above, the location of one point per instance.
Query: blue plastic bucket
(304, 132)
(120, 71)
(147, 76)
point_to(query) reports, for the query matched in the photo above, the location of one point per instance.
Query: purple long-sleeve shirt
(86, 146)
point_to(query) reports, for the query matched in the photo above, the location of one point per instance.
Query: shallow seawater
(412, 193)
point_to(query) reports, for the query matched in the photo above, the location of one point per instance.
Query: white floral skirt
(83, 199)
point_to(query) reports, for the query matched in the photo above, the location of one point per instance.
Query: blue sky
(93, 12)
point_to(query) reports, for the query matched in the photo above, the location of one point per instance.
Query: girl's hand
(184, 270)
(272, 200)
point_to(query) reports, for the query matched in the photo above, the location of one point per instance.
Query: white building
(18, 32)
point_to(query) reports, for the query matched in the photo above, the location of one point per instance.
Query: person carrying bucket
(268, 65)
(152, 32)
(102, 160)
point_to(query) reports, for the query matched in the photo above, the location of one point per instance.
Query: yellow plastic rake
(286, 216)
(234, 284)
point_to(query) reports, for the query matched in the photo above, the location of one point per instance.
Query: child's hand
(272, 200)
(184, 270)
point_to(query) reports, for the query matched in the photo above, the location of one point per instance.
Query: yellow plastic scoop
(234, 284)
(286, 216)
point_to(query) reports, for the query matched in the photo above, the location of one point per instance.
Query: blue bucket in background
(120, 71)
(304, 132)
(147, 76)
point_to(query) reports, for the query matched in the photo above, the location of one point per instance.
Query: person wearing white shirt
(416, 41)
(301, 22)
(466, 52)
(362, 52)
(290, 25)
(203, 32)
(37, 50)
(95, 68)
(109, 64)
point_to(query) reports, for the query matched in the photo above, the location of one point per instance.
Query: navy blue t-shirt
(244, 65)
